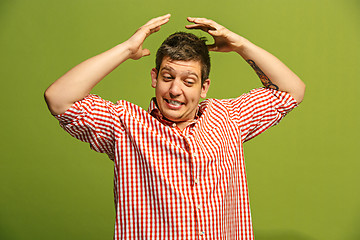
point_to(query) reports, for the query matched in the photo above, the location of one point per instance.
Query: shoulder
(215, 108)
(120, 106)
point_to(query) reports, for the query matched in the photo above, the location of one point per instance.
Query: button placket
(196, 179)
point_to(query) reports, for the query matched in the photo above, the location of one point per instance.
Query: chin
(173, 118)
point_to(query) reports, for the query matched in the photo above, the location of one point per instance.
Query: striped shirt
(178, 184)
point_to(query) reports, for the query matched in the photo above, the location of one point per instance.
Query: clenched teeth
(172, 102)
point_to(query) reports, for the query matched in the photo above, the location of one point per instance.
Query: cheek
(194, 96)
(163, 88)
(159, 89)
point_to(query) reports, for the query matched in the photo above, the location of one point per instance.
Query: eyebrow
(168, 68)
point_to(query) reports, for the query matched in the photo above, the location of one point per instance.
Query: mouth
(173, 104)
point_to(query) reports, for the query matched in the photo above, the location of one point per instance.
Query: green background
(303, 174)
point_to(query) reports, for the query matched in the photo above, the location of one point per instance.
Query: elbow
(300, 93)
(50, 100)
(47, 98)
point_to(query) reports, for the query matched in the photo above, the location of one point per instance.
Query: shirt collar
(155, 112)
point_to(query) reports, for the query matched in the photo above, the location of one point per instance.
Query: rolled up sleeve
(95, 121)
(261, 108)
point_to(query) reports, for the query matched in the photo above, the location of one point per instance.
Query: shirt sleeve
(260, 109)
(93, 120)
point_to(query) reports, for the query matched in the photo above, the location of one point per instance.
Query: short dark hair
(185, 47)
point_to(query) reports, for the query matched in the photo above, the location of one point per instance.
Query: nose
(175, 88)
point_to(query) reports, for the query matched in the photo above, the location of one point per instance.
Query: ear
(205, 88)
(153, 77)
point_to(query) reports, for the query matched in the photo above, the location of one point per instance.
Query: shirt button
(196, 181)
(201, 233)
(194, 154)
(199, 207)
(174, 124)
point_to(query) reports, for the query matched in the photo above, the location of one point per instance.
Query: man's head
(181, 76)
(185, 47)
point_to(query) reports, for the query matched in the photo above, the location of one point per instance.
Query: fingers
(154, 24)
(205, 25)
(200, 26)
(150, 27)
(136, 41)
(202, 22)
(157, 19)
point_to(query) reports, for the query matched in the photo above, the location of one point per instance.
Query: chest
(214, 140)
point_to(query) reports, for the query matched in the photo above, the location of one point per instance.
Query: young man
(179, 167)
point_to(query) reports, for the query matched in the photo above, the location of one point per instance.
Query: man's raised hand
(136, 41)
(225, 40)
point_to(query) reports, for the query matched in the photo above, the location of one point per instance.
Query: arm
(272, 72)
(80, 80)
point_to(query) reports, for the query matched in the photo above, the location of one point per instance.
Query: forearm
(80, 80)
(271, 71)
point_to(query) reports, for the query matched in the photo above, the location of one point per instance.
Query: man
(179, 167)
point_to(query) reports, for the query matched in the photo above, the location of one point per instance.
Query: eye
(189, 82)
(167, 77)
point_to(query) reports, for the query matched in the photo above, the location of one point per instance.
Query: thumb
(212, 47)
(214, 33)
(145, 52)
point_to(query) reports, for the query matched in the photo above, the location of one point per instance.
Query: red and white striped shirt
(178, 184)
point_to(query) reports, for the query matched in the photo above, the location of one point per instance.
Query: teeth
(174, 103)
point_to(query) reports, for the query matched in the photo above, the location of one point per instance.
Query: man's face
(178, 89)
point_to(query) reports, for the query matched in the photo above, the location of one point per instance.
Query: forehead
(191, 66)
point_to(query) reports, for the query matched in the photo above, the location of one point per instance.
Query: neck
(182, 125)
